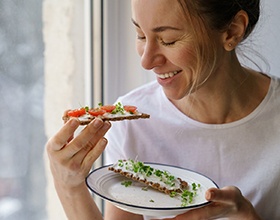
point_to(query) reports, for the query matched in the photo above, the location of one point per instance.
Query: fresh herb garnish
(140, 167)
(126, 183)
(145, 188)
(120, 163)
(119, 109)
(173, 194)
(187, 196)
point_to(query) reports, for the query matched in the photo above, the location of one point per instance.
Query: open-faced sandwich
(158, 179)
(116, 112)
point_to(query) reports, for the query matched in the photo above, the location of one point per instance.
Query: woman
(208, 113)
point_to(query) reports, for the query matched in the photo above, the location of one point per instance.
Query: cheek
(186, 58)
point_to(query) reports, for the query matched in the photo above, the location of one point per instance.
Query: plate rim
(151, 208)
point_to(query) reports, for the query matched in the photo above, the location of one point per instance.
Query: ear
(236, 30)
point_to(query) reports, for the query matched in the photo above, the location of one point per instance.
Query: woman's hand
(71, 158)
(227, 203)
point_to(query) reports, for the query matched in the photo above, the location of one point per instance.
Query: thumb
(227, 194)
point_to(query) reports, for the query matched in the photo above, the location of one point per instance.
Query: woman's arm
(114, 213)
(79, 204)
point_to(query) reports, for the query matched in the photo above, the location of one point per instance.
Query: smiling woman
(116, 70)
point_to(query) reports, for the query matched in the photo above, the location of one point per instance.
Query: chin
(174, 95)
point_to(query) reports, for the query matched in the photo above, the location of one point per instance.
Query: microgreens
(187, 196)
(119, 109)
(126, 183)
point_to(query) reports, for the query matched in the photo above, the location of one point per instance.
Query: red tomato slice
(76, 112)
(96, 111)
(130, 108)
(108, 108)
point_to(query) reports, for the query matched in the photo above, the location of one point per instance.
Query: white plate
(107, 185)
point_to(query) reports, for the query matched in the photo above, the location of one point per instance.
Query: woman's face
(165, 44)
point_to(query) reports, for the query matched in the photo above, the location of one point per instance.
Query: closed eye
(168, 43)
(140, 37)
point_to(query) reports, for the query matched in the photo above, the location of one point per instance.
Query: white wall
(122, 65)
(64, 79)
(268, 34)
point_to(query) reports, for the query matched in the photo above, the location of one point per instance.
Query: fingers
(225, 203)
(87, 151)
(88, 138)
(64, 135)
(71, 158)
(227, 195)
(93, 155)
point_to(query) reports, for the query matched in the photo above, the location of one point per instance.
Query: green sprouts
(119, 109)
(186, 195)
(146, 170)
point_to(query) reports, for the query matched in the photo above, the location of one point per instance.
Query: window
(122, 69)
(22, 135)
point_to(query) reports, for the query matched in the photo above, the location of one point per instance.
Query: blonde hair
(209, 17)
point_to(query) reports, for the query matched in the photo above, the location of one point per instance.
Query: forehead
(157, 12)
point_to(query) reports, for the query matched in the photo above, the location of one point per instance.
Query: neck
(225, 97)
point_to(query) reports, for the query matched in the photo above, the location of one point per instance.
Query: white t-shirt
(244, 153)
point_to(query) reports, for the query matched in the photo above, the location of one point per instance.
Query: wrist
(71, 191)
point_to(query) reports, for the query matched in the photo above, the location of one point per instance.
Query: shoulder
(271, 103)
(274, 88)
(275, 82)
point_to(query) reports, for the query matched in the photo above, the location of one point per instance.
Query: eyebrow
(158, 29)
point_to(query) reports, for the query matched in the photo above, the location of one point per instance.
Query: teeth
(167, 75)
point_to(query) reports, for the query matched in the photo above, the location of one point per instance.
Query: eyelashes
(143, 38)
(140, 38)
(167, 43)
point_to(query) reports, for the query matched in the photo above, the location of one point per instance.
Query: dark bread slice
(88, 118)
(154, 185)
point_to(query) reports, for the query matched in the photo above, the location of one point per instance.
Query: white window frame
(93, 63)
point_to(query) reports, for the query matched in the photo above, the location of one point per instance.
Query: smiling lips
(167, 75)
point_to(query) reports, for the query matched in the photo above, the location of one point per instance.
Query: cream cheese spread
(149, 174)
(88, 116)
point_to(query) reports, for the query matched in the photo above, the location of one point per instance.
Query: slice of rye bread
(86, 119)
(154, 185)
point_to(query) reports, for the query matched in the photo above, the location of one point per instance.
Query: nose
(151, 55)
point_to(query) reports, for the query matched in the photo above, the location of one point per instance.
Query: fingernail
(97, 123)
(107, 124)
(104, 142)
(74, 122)
(209, 195)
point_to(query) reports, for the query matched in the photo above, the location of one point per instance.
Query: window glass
(22, 139)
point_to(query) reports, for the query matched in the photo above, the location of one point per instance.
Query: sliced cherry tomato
(108, 108)
(96, 111)
(130, 108)
(76, 112)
